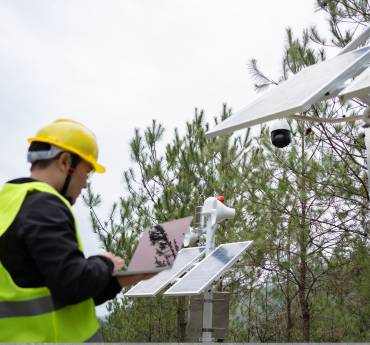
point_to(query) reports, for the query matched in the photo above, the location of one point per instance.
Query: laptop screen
(158, 245)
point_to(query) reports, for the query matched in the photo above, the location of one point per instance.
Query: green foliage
(341, 13)
(141, 320)
(342, 306)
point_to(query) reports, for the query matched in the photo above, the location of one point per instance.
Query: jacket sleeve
(50, 238)
(109, 292)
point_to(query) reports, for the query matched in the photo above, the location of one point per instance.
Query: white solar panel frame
(359, 87)
(151, 287)
(217, 274)
(298, 93)
(356, 42)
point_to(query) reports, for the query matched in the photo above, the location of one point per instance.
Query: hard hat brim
(97, 167)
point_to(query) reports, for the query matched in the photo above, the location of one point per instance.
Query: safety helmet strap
(75, 160)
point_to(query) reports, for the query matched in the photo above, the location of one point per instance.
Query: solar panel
(299, 92)
(359, 87)
(208, 270)
(184, 259)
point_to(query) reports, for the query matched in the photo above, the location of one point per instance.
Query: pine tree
(326, 205)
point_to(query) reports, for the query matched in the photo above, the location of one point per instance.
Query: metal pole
(207, 331)
(367, 144)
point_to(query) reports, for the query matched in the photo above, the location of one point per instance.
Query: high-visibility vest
(29, 314)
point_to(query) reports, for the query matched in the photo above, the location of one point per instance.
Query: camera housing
(280, 133)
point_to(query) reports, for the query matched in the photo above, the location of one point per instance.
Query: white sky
(115, 65)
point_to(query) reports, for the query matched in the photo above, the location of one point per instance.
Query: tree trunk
(289, 314)
(249, 316)
(303, 278)
(289, 325)
(303, 303)
(304, 228)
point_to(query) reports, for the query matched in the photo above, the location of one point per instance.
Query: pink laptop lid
(158, 246)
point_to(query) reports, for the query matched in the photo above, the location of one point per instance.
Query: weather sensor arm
(214, 212)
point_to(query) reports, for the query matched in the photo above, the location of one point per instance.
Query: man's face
(79, 179)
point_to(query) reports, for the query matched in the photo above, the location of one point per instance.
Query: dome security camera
(280, 133)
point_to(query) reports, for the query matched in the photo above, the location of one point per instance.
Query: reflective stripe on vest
(29, 314)
(26, 308)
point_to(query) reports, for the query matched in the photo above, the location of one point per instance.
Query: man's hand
(133, 279)
(117, 261)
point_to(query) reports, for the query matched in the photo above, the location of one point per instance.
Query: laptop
(157, 247)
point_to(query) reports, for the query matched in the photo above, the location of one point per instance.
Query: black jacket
(40, 249)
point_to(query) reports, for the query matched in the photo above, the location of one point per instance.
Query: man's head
(63, 154)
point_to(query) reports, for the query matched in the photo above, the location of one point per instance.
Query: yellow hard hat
(71, 136)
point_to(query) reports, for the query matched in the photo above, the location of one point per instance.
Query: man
(48, 289)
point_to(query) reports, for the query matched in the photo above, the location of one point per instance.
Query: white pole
(367, 144)
(214, 211)
(207, 332)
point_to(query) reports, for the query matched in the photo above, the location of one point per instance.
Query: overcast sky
(115, 65)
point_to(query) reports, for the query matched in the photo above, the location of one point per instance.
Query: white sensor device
(218, 210)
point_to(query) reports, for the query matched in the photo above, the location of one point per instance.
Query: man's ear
(64, 162)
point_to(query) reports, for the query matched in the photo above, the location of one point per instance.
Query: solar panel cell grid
(208, 270)
(151, 287)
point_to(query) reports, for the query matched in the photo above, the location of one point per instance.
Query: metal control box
(220, 317)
